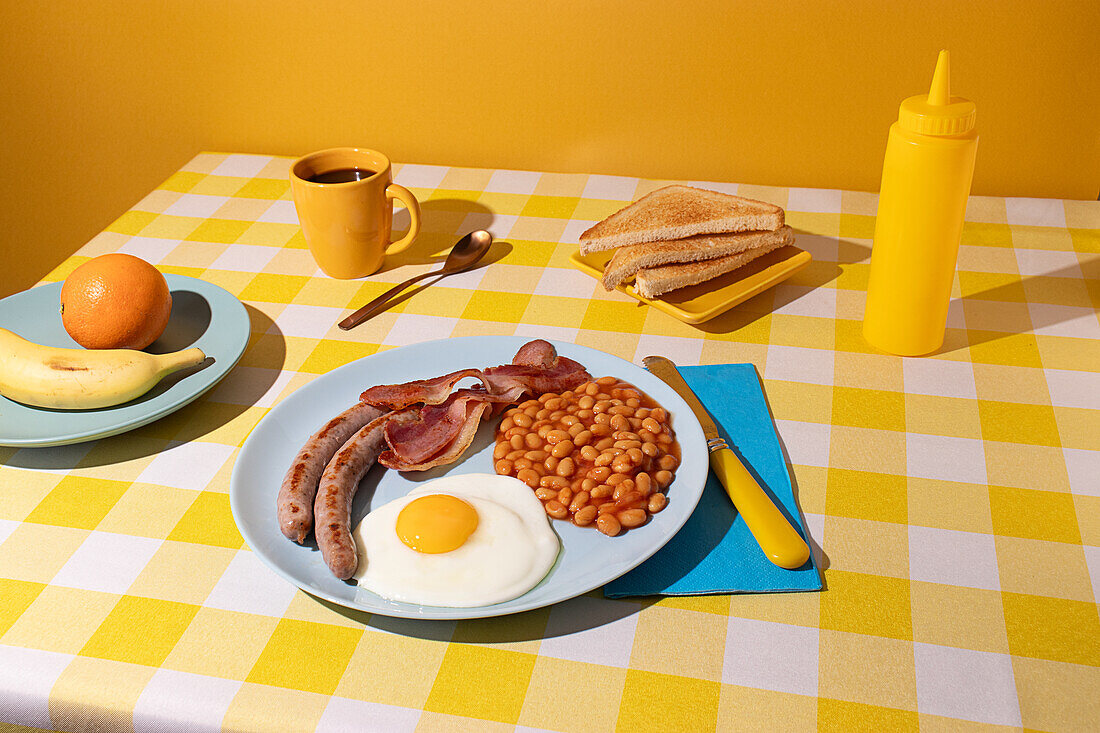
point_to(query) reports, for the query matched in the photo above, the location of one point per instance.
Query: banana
(82, 379)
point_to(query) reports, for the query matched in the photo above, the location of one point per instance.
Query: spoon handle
(373, 308)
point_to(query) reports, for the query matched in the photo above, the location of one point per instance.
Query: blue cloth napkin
(714, 552)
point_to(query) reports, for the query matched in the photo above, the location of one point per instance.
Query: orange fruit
(115, 301)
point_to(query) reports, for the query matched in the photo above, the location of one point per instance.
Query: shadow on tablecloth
(442, 223)
(245, 384)
(574, 616)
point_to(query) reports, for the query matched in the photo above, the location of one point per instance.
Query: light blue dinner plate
(587, 560)
(203, 315)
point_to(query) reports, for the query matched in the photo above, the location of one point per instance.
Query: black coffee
(341, 175)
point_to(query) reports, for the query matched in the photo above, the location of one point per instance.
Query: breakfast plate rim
(260, 465)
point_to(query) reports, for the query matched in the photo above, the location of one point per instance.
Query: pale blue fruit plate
(203, 315)
(587, 559)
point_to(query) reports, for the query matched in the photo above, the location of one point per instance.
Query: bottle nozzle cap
(938, 113)
(939, 93)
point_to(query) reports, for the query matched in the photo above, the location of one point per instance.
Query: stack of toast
(679, 236)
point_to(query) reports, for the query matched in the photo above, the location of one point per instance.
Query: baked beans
(599, 455)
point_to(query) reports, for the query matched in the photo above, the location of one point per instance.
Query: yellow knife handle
(780, 541)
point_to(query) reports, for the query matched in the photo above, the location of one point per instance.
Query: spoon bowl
(466, 253)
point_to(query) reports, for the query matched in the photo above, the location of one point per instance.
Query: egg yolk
(436, 523)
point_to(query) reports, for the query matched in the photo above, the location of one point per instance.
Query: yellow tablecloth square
(686, 703)
(61, 619)
(263, 707)
(147, 510)
(1078, 428)
(207, 521)
(948, 416)
(716, 604)
(201, 648)
(81, 503)
(835, 716)
(35, 552)
(874, 606)
(18, 596)
(872, 408)
(76, 697)
(1043, 568)
(868, 450)
(857, 668)
(800, 400)
(140, 631)
(264, 188)
(495, 694)
(935, 621)
(220, 185)
(1033, 514)
(405, 679)
(866, 495)
(184, 572)
(273, 288)
(757, 709)
(1005, 421)
(948, 505)
(442, 299)
(869, 547)
(594, 210)
(182, 181)
(560, 207)
(1055, 629)
(548, 706)
(305, 656)
(1044, 704)
(661, 628)
(221, 231)
(856, 226)
(496, 306)
(993, 347)
(332, 354)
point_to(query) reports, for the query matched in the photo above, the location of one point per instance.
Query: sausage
(536, 353)
(338, 485)
(295, 502)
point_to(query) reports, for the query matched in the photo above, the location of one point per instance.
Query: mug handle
(404, 195)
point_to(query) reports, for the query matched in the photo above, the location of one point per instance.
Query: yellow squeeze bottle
(926, 178)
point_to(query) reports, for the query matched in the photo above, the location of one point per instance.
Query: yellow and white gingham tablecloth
(954, 500)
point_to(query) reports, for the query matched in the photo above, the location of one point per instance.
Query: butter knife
(781, 543)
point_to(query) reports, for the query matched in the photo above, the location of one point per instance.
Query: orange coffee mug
(344, 198)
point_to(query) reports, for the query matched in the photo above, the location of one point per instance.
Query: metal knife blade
(666, 370)
(780, 541)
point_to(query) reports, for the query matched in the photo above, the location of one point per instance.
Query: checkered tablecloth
(954, 500)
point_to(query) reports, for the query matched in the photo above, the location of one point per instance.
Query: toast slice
(628, 260)
(652, 282)
(675, 212)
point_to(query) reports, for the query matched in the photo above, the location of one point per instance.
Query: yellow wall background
(101, 101)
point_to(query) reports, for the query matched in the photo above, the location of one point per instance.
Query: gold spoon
(466, 253)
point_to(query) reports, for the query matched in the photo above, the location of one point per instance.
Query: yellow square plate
(706, 300)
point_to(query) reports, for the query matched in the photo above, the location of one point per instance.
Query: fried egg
(466, 540)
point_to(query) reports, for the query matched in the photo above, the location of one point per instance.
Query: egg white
(508, 554)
